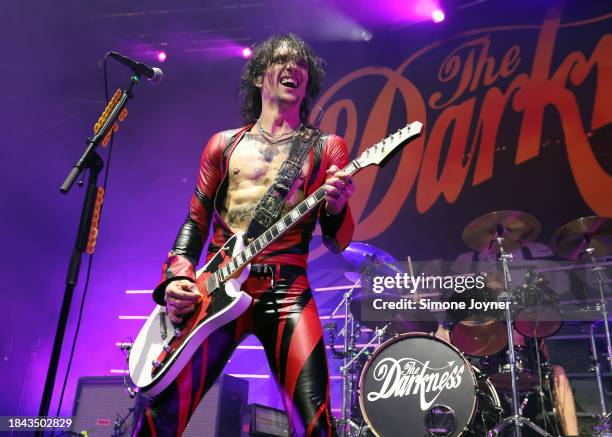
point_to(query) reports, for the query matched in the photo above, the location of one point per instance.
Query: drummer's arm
(564, 401)
(544, 349)
(442, 333)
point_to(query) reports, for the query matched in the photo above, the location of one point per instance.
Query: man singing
(237, 167)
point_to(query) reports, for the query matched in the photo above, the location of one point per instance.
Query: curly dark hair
(263, 54)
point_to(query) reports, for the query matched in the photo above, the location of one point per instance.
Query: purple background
(53, 93)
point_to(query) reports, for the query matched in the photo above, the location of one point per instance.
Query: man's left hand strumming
(338, 188)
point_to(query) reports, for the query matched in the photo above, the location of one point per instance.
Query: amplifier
(220, 411)
(267, 421)
(99, 401)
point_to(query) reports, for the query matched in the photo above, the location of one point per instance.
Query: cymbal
(571, 239)
(358, 253)
(516, 227)
(401, 321)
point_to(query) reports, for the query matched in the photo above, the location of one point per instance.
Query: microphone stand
(93, 162)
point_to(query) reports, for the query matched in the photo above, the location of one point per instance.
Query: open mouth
(289, 82)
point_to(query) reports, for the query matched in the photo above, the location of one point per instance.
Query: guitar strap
(269, 207)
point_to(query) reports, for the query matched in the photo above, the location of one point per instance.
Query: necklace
(270, 137)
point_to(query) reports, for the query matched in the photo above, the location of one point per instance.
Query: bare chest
(253, 166)
(256, 163)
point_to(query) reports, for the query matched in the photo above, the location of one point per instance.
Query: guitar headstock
(382, 151)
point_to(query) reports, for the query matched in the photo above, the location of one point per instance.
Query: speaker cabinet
(100, 401)
(220, 411)
(268, 422)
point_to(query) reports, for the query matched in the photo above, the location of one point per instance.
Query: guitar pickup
(211, 284)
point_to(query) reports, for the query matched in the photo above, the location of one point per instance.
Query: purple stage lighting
(247, 52)
(161, 56)
(437, 15)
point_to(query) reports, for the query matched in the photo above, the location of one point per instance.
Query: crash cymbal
(516, 227)
(571, 239)
(358, 253)
(401, 321)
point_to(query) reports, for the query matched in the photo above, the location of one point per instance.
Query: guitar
(162, 348)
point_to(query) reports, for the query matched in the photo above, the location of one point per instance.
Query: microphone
(153, 74)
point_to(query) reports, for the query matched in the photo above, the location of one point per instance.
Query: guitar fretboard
(276, 230)
(373, 155)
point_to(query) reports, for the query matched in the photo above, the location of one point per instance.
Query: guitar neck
(277, 230)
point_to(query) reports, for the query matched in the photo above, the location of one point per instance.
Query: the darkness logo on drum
(411, 377)
(418, 385)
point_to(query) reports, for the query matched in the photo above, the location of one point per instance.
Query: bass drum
(419, 385)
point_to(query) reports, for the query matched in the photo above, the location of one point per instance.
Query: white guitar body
(158, 330)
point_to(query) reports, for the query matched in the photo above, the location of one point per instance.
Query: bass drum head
(417, 385)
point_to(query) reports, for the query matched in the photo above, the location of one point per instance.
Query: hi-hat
(516, 227)
(573, 238)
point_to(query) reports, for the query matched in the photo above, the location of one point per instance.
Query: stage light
(161, 56)
(366, 36)
(247, 52)
(437, 16)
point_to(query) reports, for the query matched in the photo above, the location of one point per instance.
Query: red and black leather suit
(283, 314)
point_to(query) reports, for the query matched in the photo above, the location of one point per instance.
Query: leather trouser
(284, 317)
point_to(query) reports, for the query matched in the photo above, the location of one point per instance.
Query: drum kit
(419, 375)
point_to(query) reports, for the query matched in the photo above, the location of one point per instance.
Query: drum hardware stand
(378, 333)
(359, 429)
(119, 422)
(517, 419)
(347, 380)
(597, 368)
(379, 337)
(524, 403)
(349, 346)
(602, 304)
(604, 427)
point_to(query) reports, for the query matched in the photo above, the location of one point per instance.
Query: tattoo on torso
(252, 168)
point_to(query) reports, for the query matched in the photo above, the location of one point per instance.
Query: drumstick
(411, 271)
